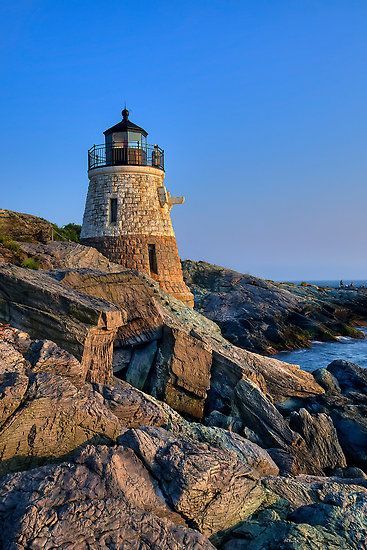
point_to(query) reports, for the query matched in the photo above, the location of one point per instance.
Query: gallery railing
(131, 153)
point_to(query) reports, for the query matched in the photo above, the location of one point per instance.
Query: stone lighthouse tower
(127, 212)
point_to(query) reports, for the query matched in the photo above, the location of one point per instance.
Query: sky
(261, 107)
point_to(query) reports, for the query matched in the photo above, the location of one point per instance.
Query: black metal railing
(131, 153)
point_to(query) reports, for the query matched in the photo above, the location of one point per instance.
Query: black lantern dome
(125, 132)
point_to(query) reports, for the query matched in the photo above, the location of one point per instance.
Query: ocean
(323, 353)
(334, 284)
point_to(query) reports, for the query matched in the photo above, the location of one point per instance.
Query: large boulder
(338, 523)
(350, 377)
(210, 487)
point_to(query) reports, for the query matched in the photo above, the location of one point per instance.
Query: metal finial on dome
(125, 114)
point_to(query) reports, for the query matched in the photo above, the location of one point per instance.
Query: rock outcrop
(177, 355)
(265, 316)
(334, 520)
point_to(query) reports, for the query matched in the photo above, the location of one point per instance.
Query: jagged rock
(341, 515)
(304, 489)
(84, 326)
(249, 453)
(134, 408)
(52, 418)
(321, 438)
(102, 498)
(322, 526)
(189, 374)
(208, 486)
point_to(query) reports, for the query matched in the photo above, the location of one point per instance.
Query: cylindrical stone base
(157, 256)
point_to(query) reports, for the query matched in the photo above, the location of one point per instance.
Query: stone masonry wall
(142, 220)
(139, 211)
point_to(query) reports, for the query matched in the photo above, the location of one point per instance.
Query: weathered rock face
(102, 498)
(264, 316)
(43, 307)
(48, 417)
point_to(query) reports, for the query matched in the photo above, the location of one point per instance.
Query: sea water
(322, 353)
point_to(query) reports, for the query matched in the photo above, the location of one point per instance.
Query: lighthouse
(127, 212)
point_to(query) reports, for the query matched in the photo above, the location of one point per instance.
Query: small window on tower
(113, 210)
(153, 266)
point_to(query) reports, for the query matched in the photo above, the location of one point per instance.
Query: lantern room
(125, 144)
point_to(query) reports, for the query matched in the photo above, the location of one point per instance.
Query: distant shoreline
(331, 283)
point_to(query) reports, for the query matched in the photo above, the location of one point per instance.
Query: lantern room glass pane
(135, 137)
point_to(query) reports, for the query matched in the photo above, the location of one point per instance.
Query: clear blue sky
(260, 105)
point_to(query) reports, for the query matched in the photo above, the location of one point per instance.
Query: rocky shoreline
(127, 420)
(267, 317)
